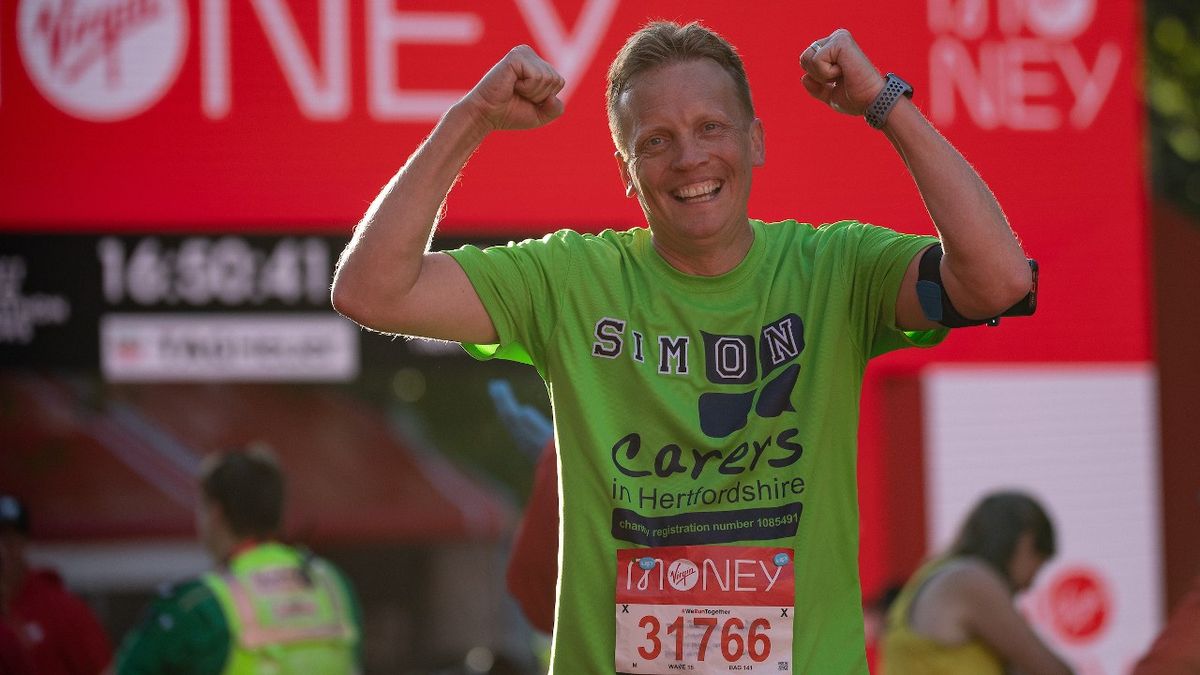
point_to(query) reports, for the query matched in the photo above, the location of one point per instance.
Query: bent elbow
(349, 301)
(1016, 284)
(992, 296)
(363, 301)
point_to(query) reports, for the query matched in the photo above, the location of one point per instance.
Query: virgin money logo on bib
(704, 610)
(682, 575)
(102, 60)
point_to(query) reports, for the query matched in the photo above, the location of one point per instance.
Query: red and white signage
(1078, 604)
(223, 347)
(212, 115)
(704, 609)
(102, 60)
(1023, 67)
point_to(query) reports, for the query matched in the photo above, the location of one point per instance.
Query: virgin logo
(102, 60)
(1060, 19)
(1079, 604)
(682, 575)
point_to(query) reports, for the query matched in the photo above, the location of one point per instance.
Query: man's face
(690, 149)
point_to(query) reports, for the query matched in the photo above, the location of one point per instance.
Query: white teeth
(698, 189)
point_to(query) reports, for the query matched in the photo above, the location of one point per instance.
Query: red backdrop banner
(215, 115)
(268, 116)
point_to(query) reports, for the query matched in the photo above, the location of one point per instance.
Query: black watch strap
(893, 89)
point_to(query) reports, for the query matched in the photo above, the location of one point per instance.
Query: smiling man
(705, 370)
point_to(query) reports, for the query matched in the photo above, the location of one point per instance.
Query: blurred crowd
(271, 607)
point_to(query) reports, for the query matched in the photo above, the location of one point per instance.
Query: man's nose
(689, 153)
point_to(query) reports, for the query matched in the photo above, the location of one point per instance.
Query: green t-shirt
(711, 420)
(185, 631)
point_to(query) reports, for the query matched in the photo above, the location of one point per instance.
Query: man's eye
(653, 143)
(711, 126)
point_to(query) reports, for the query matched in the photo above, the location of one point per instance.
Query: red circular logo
(1080, 604)
(103, 60)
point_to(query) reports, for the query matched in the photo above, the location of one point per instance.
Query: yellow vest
(285, 617)
(906, 652)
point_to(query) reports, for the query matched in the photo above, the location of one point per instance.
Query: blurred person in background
(1176, 650)
(13, 657)
(532, 572)
(268, 608)
(59, 632)
(875, 613)
(956, 614)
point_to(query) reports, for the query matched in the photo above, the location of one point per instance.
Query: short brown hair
(660, 43)
(247, 484)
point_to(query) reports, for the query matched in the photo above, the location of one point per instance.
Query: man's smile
(697, 192)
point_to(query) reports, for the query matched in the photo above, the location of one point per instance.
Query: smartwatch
(893, 89)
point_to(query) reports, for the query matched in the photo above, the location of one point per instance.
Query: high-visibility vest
(287, 614)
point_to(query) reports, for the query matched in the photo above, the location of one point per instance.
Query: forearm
(386, 278)
(983, 269)
(384, 257)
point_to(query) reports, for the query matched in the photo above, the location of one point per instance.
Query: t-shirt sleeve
(182, 627)
(516, 284)
(876, 260)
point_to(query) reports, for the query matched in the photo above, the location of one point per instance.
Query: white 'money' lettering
(388, 28)
(1013, 81)
(321, 85)
(321, 92)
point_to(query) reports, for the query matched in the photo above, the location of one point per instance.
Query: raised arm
(983, 268)
(387, 279)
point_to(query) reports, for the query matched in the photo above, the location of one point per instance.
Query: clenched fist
(519, 92)
(837, 72)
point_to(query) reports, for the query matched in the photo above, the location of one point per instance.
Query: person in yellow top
(956, 615)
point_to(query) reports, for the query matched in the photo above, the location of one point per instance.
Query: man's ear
(626, 177)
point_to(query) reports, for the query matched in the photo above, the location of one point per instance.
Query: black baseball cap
(13, 514)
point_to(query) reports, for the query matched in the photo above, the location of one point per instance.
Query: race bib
(705, 609)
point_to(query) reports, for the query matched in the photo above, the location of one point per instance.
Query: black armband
(936, 305)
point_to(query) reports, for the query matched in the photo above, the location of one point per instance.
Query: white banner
(1083, 440)
(228, 347)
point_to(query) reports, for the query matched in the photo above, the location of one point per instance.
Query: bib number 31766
(704, 609)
